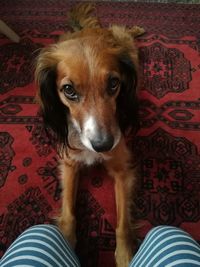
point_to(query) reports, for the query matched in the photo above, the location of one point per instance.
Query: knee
(48, 227)
(43, 230)
(163, 227)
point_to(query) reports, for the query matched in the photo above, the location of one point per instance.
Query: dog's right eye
(113, 85)
(69, 92)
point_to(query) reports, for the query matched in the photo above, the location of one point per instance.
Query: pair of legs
(44, 245)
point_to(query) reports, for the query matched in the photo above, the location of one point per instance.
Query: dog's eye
(69, 92)
(113, 85)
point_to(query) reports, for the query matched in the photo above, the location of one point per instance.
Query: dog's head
(89, 81)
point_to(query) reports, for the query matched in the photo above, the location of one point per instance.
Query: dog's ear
(54, 112)
(125, 39)
(127, 101)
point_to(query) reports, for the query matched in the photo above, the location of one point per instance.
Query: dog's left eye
(69, 92)
(113, 84)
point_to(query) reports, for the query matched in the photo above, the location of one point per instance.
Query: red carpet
(167, 146)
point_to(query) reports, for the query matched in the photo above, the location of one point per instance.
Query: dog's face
(88, 82)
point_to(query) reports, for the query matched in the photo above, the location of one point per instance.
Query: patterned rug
(167, 146)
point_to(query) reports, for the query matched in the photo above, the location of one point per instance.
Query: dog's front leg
(125, 238)
(67, 220)
(124, 178)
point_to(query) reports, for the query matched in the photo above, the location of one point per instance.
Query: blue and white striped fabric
(167, 246)
(40, 246)
(44, 246)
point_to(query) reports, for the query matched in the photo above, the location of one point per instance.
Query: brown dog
(87, 92)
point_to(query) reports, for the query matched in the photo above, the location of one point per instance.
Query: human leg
(167, 246)
(38, 246)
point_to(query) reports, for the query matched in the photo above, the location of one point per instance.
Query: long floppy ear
(54, 112)
(125, 38)
(127, 101)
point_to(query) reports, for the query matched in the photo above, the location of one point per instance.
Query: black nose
(102, 143)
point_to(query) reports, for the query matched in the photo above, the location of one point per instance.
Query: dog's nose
(102, 143)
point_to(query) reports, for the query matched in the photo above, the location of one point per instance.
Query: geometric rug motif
(6, 156)
(176, 114)
(30, 208)
(50, 177)
(164, 70)
(17, 66)
(170, 185)
(94, 232)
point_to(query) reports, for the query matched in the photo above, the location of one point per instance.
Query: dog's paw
(68, 229)
(123, 253)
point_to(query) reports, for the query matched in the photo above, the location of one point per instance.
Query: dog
(87, 91)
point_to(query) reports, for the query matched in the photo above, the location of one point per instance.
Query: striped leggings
(44, 245)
